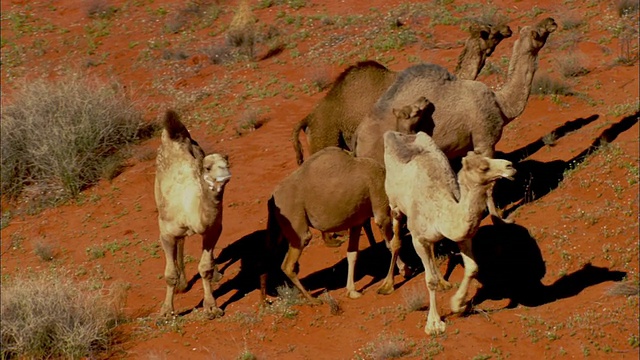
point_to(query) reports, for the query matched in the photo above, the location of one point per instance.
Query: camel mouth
(223, 178)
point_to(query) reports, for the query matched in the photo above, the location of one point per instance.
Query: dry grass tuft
(572, 65)
(334, 304)
(46, 315)
(543, 84)
(59, 137)
(242, 32)
(415, 298)
(624, 289)
(249, 121)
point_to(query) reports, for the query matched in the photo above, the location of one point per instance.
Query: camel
(332, 191)
(432, 210)
(368, 137)
(188, 191)
(467, 114)
(337, 116)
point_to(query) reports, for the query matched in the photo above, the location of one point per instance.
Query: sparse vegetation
(543, 84)
(572, 65)
(48, 316)
(58, 137)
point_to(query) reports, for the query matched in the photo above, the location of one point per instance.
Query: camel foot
(386, 288)
(458, 306)
(443, 285)
(435, 327)
(352, 294)
(213, 312)
(166, 312)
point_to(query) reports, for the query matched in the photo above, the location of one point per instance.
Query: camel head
(482, 170)
(408, 116)
(534, 37)
(489, 37)
(216, 171)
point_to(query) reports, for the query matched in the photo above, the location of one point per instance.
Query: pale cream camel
(422, 187)
(188, 191)
(332, 191)
(467, 114)
(337, 116)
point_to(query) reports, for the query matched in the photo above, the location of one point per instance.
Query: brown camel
(188, 192)
(332, 191)
(336, 117)
(422, 187)
(467, 114)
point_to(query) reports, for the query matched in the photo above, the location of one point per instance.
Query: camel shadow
(373, 261)
(510, 266)
(250, 251)
(535, 179)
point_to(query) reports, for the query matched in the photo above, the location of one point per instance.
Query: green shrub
(58, 137)
(48, 316)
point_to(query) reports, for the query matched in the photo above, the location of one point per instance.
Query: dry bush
(219, 54)
(571, 65)
(58, 137)
(99, 9)
(44, 250)
(242, 32)
(415, 298)
(46, 315)
(250, 120)
(334, 304)
(543, 84)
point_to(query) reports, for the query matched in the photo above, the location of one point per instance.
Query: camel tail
(175, 128)
(295, 138)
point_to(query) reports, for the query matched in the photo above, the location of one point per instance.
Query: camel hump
(175, 128)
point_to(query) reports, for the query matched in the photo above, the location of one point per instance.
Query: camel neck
(467, 212)
(513, 96)
(469, 63)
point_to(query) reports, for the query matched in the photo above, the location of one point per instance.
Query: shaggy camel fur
(332, 191)
(467, 114)
(188, 193)
(337, 116)
(368, 137)
(431, 208)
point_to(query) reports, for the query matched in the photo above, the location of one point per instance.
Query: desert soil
(548, 277)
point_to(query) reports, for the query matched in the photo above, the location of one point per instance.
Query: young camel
(337, 116)
(188, 193)
(467, 114)
(433, 212)
(332, 191)
(368, 137)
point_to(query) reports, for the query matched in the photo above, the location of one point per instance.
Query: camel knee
(171, 278)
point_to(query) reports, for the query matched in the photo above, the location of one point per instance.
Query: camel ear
(474, 29)
(403, 113)
(422, 103)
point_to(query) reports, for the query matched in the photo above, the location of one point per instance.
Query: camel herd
(381, 143)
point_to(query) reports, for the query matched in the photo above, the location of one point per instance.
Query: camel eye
(484, 168)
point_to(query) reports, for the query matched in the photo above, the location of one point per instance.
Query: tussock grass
(415, 298)
(543, 84)
(46, 315)
(59, 137)
(572, 65)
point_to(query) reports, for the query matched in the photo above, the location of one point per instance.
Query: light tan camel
(467, 114)
(421, 186)
(336, 117)
(332, 191)
(188, 190)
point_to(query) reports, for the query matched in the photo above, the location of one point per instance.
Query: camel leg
(298, 235)
(470, 270)
(171, 275)
(181, 286)
(394, 246)
(424, 249)
(352, 255)
(288, 267)
(369, 232)
(496, 216)
(208, 271)
(442, 283)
